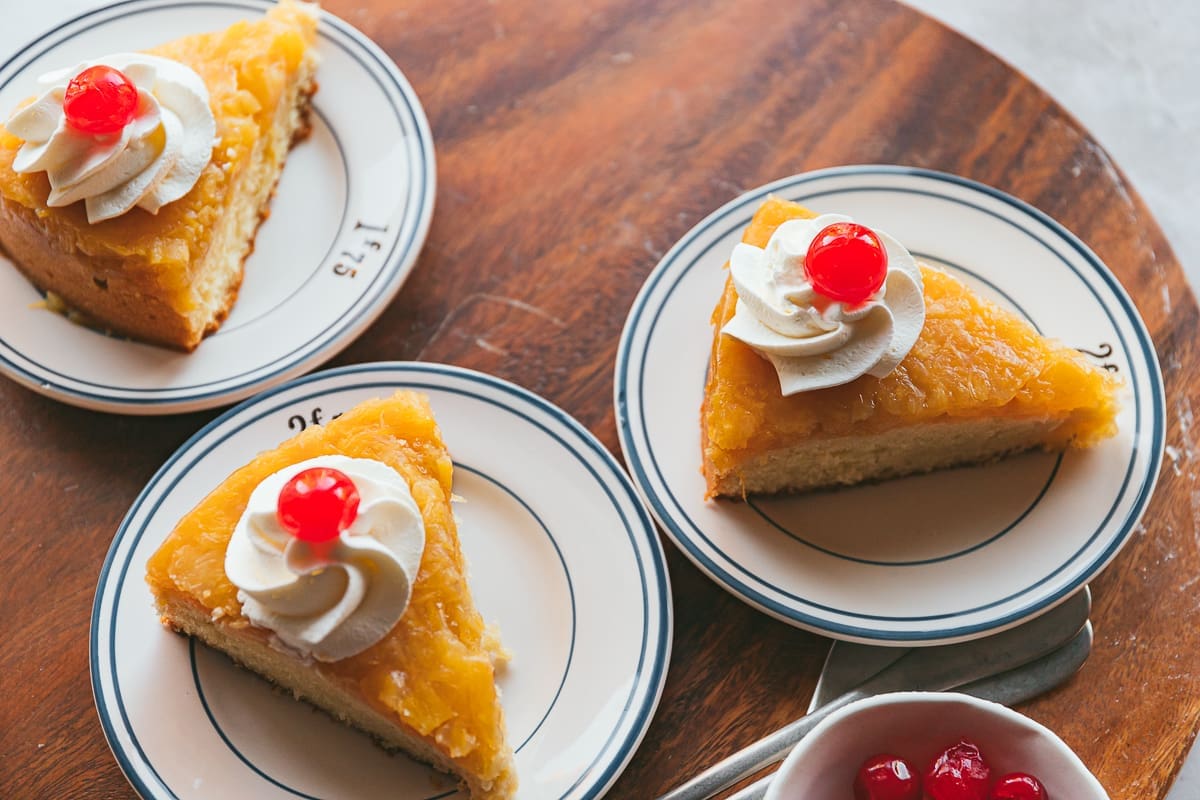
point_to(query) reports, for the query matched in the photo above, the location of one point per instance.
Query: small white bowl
(917, 726)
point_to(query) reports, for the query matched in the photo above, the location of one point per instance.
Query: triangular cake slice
(978, 384)
(169, 276)
(428, 686)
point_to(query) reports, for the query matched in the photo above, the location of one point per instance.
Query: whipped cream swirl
(333, 599)
(815, 342)
(155, 159)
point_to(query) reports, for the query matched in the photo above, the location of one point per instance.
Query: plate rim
(1124, 309)
(392, 274)
(649, 678)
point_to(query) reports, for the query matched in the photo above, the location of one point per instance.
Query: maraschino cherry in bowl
(940, 737)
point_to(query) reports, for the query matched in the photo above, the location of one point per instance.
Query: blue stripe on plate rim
(398, 262)
(441, 794)
(748, 592)
(650, 673)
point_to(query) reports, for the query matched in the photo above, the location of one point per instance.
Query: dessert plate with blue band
(935, 558)
(347, 221)
(562, 557)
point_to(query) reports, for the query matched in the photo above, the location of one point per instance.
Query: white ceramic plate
(935, 558)
(563, 557)
(347, 221)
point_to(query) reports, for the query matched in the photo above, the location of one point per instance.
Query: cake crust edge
(250, 648)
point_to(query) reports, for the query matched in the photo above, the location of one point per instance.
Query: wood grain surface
(576, 142)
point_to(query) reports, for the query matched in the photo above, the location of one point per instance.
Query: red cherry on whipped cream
(1018, 786)
(316, 505)
(958, 773)
(846, 262)
(886, 777)
(100, 100)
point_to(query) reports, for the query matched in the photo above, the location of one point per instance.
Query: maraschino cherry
(316, 505)
(846, 262)
(100, 100)
(959, 773)
(886, 777)
(1018, 786)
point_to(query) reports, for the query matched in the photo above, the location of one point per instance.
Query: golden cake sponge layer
(428, 687)
(979, 383)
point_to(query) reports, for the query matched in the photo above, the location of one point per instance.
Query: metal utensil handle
(1023, 683)
(750, 760)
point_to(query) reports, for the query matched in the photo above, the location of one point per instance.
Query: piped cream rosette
(815, 342)
(153, 160)
(329, 600)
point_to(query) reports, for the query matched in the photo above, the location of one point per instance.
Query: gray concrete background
(1129, 70)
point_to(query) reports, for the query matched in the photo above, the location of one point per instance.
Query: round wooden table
(576, 142)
